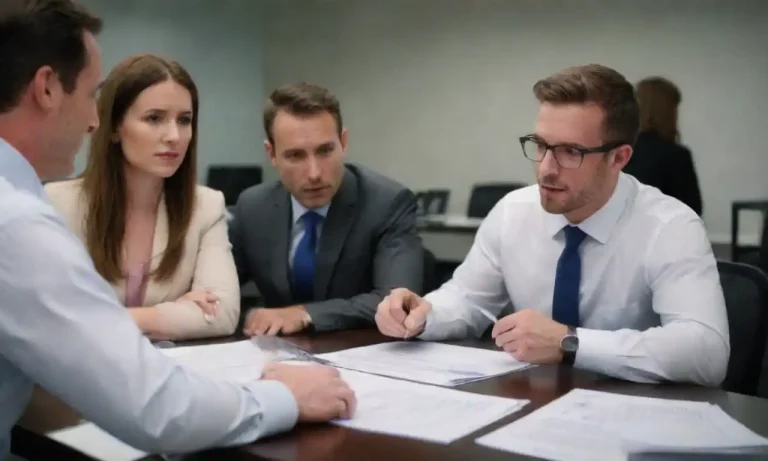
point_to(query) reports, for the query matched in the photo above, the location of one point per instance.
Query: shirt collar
(15, 169)
(601, 223)
(298, 210)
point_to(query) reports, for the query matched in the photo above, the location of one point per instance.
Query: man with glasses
(600, 271)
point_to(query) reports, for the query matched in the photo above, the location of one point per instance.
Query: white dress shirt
(61, 326)
(651, 304)
(298, 229)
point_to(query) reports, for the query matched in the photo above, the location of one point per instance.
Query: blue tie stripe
(565, 302)
(304, 259)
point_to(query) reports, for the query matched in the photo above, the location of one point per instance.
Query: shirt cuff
(594, 350)
(279, 410)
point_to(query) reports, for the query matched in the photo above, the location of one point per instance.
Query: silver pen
(485, 313)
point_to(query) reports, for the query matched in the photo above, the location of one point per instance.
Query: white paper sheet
(89, 439)
(407, 409)
(240, 361)
(588, 425)
(427, 362)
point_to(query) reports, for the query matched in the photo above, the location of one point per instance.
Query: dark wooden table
(540, 385)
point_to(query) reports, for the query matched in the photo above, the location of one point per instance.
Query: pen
(485, 313)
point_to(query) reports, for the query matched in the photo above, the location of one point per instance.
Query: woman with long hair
(152, 232)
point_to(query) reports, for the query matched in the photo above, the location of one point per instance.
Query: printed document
(407, 409)
(426, 362)
(589, 425)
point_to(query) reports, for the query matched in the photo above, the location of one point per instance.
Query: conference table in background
(540, 385)
(452, 224)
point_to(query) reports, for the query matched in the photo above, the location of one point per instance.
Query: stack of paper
(89, 439)
(426, 362)
(386, 405)
(407, 409)
(589, 425)
(241, 361)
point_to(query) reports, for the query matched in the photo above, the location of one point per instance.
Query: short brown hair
(600, 85)
(658, 99)
(37, 33)
(301, 99)
(104, 176)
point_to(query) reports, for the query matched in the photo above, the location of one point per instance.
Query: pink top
(136, 285)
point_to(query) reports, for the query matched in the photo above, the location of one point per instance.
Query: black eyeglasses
(569, 157)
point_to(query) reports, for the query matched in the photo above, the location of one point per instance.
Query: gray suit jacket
(367, 247)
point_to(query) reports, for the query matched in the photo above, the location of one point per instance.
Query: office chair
(438, 201)
(231, 180)
(430, 281)
(485, 196)
(422, 203)
(746, 300)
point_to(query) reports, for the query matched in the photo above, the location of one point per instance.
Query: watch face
(570, 343)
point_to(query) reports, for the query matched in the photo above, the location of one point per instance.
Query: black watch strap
(569, 346)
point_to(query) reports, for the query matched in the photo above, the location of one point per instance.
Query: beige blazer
(207, 262)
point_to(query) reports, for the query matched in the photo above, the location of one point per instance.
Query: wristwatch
(569, 345)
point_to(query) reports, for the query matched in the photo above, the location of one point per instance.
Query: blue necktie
(565, 303)
(304, 259)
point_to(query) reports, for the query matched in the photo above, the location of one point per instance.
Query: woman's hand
(206, 300)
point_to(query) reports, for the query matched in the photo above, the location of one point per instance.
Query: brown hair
(301, 99)
(37, 33)
(104, 180)
(658, 99)
(600, 85)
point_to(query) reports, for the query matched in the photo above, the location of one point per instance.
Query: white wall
(436, 92)
(221, 43)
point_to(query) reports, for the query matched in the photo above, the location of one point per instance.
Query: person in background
(659, 159)
(327, 242)
(156, 236)
(602, 272)
(61, 324)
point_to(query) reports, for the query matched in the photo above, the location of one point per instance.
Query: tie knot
(573, 236)
(311, 219)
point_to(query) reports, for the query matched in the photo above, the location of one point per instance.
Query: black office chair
(231, 180)
(422, 203)
(485, 196)
(746, 300)
(430, 281)
(438, 201)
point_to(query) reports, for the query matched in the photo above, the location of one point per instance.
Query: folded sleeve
(214, 271)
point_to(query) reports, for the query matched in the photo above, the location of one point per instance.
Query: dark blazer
(666, 166)
(368, 245)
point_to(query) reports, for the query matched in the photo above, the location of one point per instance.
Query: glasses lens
(533, 150)
(567, 157)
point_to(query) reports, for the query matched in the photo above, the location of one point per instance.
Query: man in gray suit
(327, 242)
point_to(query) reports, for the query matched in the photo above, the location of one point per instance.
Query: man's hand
(402, 314)
(319, 391)
(530, 337)
(271, 321)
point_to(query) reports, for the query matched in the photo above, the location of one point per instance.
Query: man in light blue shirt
(60, 323)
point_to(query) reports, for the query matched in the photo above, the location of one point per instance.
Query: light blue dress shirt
(62, 326)
(297, 225)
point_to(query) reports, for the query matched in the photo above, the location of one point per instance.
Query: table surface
(449, 224)
(540, 385)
